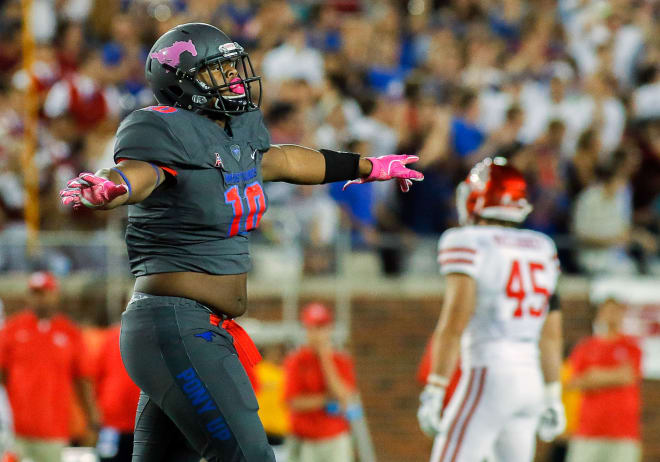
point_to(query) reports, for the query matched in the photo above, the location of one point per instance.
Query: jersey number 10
(515, 288)
(256, 206)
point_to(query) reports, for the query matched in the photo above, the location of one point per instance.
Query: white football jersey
(516, 272)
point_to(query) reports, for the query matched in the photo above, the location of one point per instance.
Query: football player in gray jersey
(191, 171)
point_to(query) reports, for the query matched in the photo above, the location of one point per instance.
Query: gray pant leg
(189, 368)
(157, 438)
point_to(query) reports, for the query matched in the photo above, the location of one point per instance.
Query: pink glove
(91, 191)
(388, 167)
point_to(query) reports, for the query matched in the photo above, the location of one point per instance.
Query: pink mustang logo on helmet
(171, 55)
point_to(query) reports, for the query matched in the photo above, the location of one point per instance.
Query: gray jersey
(199, 220)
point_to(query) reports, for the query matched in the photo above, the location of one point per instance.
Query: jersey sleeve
(145, 135)
(458, 252)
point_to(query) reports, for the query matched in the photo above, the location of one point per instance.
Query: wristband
(121, 174)
(155, 167)
(437, 380)
(340, 166)
(553, 391)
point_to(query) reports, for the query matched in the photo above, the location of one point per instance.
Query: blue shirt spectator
(358, 202)
(466, 137)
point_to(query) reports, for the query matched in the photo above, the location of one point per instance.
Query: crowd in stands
(568, 90)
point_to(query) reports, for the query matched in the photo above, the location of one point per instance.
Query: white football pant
(492, 415)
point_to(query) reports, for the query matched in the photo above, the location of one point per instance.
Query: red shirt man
(116, 393)
(42, 358)
(599, 405)
(607, 370)
(318, 379)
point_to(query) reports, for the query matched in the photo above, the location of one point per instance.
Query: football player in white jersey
(501, 317)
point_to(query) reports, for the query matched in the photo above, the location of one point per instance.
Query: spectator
(358, 208)
(285, 120)
(607, 370)
(504, 140)
(466, 136)
(294, 60)
(78, 103)
(602, 221)
(41, 358)
(608, 114)
(376, 126)
(646, 182)
(118, 397)
(582, 168)
(320, 388)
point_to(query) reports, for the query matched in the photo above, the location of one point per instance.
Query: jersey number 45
(515, 288)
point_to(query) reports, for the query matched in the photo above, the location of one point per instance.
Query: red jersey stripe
(482, 380)
(169, 170)
(457, 260)
(458, 249)
(458, 415)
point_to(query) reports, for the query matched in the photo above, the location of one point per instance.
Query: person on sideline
(42, 363)
(320, 389)
(607, 371)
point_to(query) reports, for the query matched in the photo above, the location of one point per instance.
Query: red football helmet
(493, 190)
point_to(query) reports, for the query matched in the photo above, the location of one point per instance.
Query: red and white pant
(492, 415)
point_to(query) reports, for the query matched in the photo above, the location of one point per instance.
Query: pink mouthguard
(237, 88)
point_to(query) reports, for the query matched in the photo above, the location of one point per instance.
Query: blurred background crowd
(569, 90)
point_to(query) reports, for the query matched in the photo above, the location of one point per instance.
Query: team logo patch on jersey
(172, 55)
(218, 161)
(235, 151)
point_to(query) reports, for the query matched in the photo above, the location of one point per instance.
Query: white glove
(430, 409)
(553, 419)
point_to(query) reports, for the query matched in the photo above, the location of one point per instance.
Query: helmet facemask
(231, 95)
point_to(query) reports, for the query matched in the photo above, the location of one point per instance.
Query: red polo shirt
(41, 359)
(303, 376)
(117, 395)
(612, 412)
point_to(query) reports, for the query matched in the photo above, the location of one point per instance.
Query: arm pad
(340, 166)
